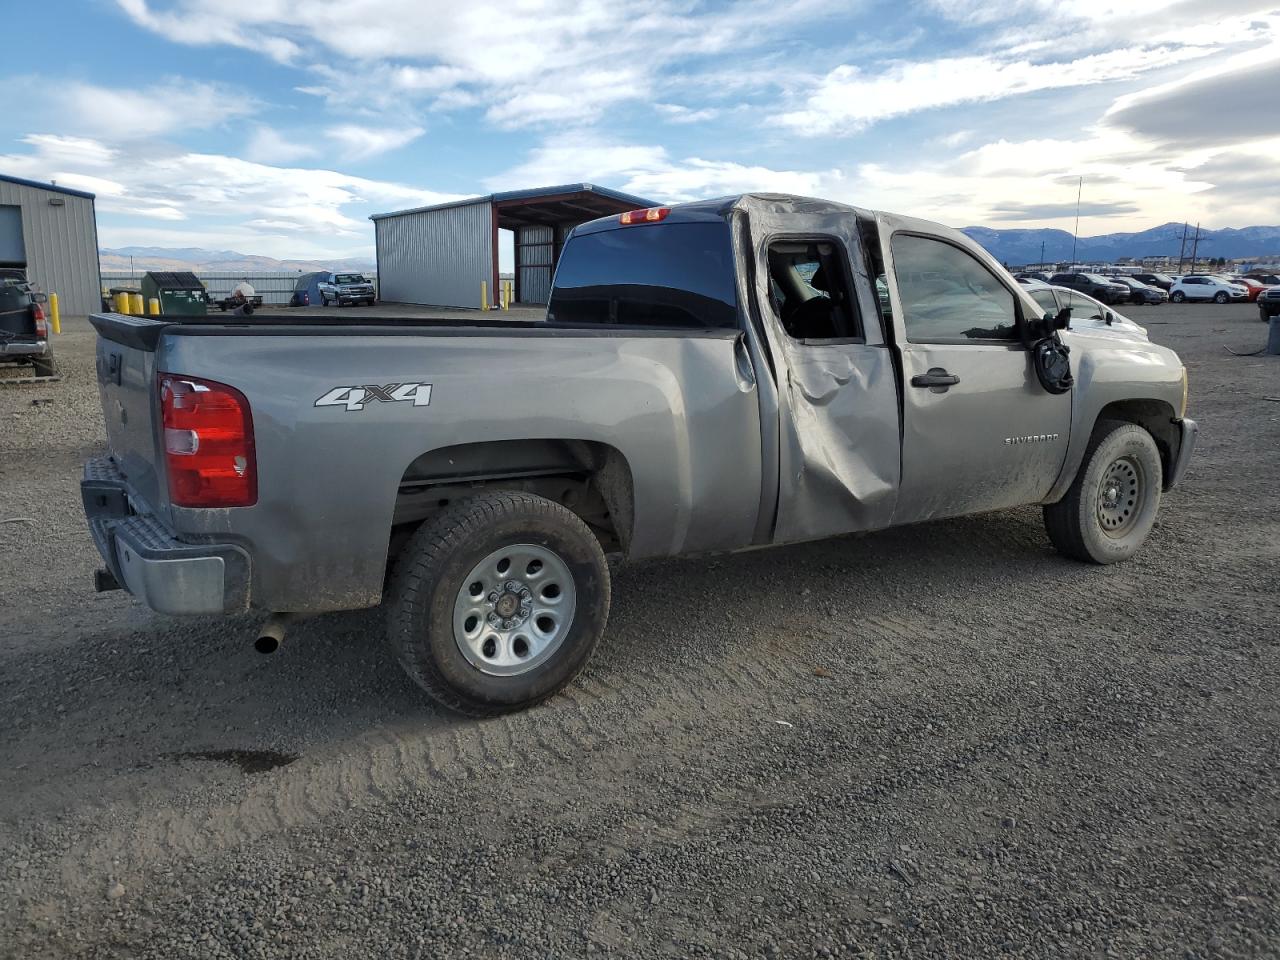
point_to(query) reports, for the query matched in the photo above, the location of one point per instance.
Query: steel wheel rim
(1121, 496)
(514, 609)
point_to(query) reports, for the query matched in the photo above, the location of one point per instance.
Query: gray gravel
(937, 741)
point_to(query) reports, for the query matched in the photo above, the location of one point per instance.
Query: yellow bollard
(122, 302)
(135, 305)
(484, 294)
(154, 305)
(55, 318)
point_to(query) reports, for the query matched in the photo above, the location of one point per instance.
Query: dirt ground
(942, 740)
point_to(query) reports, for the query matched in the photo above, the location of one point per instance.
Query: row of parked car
(1160, 287)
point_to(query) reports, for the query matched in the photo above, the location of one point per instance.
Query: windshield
(350, 278)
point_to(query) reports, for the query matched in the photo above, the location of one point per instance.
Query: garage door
(12, 251)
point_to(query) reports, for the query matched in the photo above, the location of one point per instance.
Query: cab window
(948, 296)
(810, 290)
(659, 275)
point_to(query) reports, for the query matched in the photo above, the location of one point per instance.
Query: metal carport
(439, 255)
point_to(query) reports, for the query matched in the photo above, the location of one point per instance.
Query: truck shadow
(141, 697)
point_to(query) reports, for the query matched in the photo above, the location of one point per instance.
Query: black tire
(45, 366)
(1078, 524)
(1177, 296)
(432, 569)
(1220, 297)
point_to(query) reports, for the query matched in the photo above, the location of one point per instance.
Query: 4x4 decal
(355, 398)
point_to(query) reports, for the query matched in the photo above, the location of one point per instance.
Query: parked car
(24, 328)
(1083, 308)
(669, 404)
(1140, 292)
(1266, 279)
(1092, 284)
(1206, 287)
(345, 288)
(1032, 275)
(1253, 287)
(1269, 303)
(1161, 280)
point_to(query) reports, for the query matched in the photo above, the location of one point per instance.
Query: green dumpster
(181, 294)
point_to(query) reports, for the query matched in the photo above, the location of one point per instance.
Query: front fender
(1112, 368)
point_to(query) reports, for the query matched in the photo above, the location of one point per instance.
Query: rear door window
(811, 291)
(648, 275)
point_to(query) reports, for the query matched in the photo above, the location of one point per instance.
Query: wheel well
(1154, 416)
(591, 479)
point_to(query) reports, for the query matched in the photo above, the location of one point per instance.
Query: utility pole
(1041, 254)
(1076, 232)
(1195, 245)
(1182, 247)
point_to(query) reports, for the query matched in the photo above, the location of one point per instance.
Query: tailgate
(126, 363)
(17, 320)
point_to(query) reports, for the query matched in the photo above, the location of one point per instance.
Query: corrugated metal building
(439, 255)
(52, 233)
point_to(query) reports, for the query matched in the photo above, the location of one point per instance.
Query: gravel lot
(936, 741)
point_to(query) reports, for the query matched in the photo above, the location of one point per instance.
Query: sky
(276, 127)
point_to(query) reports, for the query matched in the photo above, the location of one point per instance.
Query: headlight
(1183, 412)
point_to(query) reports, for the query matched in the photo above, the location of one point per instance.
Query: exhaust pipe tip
(271, 634)
(266, 644)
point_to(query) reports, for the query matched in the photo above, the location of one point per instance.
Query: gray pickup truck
(345, 288)
(713, 376)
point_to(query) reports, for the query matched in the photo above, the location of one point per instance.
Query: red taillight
(306, 299)
(42, 324)
(650, 215)
(208, 443)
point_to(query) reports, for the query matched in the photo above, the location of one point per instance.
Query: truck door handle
(936, 377)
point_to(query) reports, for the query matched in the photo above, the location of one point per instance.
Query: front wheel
(1177, 296)
(1112, 503)
(1220, 297)
(498, 601)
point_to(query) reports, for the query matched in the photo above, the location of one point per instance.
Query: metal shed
(439, 255)
(51, 233)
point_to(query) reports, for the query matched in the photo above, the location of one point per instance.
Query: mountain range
(1011, 246)
(200, 260)
(1018, 247)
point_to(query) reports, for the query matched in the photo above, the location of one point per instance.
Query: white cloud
(649, 171)
(270, 146)
(850, 98)
(526, 63)
(273, 209)
(677, 113)
(360, 143)
(163, 109)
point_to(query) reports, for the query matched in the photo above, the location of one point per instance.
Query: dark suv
(1161, 280)
(24, 331)
(1095, 286)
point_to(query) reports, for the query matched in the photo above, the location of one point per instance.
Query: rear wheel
(498, 601)
(1220, 297)
(1177, 296)
(1112, 503)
